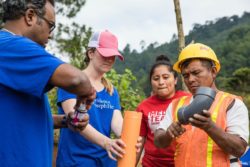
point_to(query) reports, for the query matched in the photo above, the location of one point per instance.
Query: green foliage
(238, 83)
(246, 99)
(130, 97)
(228, 36)
(69, 8)
(235, 50)
(75, 42)
(52, 100)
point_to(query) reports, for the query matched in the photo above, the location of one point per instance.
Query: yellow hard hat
(196, 50)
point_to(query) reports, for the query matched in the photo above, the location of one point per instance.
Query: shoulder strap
(231, 105)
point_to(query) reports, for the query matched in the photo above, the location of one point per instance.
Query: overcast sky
(153, 20)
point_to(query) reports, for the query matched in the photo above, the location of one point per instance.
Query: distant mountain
(228, 36)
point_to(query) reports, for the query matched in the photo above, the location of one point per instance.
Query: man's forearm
(71, 79)
(230, 143)
(60, 121)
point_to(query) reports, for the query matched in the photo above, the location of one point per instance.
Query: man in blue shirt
(27, 72)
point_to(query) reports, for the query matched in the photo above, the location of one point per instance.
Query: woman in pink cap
(93, 147)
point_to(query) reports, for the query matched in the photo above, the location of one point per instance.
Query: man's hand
(79, 125)
(86, 99)
(175, 130)
(203, 121)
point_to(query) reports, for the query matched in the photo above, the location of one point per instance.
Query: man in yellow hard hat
(215, 138)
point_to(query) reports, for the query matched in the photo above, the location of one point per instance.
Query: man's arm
(65, 121)
(231, 142)
(167, 130)
(164, 138)
(59, 121)
(74, 81)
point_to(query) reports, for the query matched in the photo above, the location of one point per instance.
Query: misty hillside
(228, 36)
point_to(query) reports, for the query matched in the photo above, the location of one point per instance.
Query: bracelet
(64, 122)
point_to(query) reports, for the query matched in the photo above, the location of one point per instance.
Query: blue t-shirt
(26, 124)
(74, 149)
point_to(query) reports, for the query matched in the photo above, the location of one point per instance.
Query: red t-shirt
(154, 110)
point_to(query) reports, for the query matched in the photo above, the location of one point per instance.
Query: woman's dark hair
(14, 9)
(162, 60)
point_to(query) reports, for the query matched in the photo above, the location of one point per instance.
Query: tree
(240, 81)
(181, 36)
(68, 8)
(130, 97)
(75, 43)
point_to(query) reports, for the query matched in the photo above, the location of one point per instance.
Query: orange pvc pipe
(130, 133)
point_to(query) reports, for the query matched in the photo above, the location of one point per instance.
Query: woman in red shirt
(163, 81)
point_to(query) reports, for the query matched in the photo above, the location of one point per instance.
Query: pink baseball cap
(106, 44)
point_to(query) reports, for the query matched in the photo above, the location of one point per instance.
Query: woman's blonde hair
(106, 83)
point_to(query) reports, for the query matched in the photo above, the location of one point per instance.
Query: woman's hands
(116, 147)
